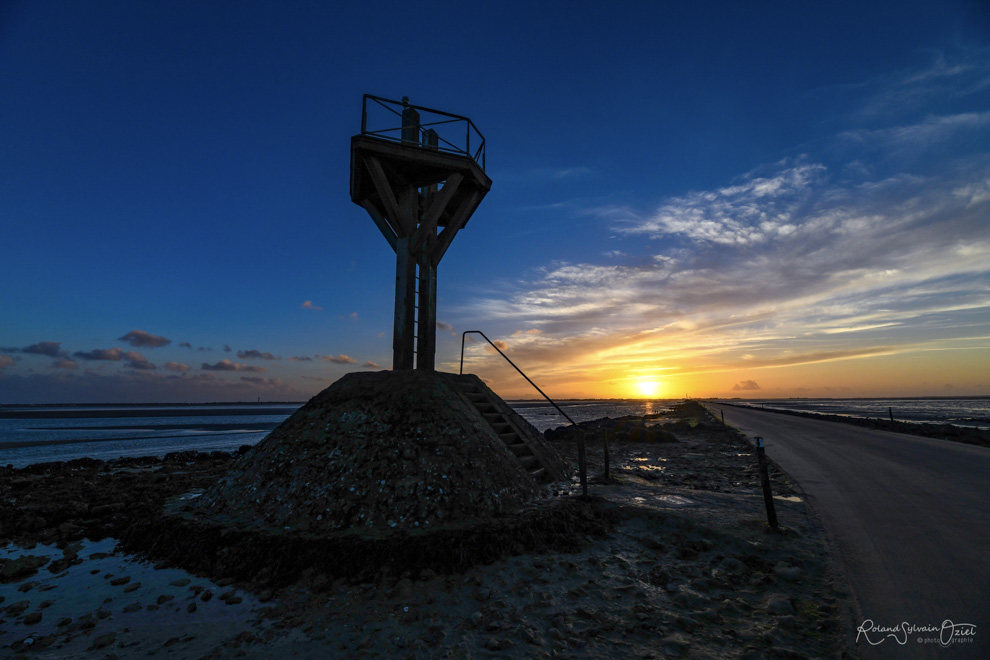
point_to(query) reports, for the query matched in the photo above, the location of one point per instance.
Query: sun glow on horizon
(648, 388)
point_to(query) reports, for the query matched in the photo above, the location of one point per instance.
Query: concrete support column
(426, 345)
(403, 332)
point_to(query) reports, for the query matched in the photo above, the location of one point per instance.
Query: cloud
(371, 365)
(552, 173)
(227, 365)
(65, 363)
(176, 366)
(49, 348)
(308, 304)
(110, 354)
(340, 359)
(6, 361)
(137, 361)
(257, 355)
(140, 338)
(746, 385)
(948, 75)
(499, 344)
(185, 344)
(755, 210)
(227, 349)
(790, 264)
(262, 382)
(300, 358)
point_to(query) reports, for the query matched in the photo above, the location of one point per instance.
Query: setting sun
(648, 388)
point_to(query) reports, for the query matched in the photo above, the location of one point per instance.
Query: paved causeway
(908, 518)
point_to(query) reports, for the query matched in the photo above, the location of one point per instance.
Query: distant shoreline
(969, 435)
(195, 410)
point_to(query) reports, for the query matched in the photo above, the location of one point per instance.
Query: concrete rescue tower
(395, 470)
(413, 170)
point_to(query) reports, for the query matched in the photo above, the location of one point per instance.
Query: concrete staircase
(478, 396)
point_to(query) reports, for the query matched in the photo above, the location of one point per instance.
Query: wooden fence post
(583, 464)
(605, 447)
(765, 482)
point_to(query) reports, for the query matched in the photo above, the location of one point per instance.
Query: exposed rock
(780, 604)
(787, 572)
(22, 567)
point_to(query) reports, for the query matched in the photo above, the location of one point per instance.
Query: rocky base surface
(374, 451)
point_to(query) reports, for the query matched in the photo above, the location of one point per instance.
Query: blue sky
(768, 199)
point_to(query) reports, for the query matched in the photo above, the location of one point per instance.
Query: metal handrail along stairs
(582, 460)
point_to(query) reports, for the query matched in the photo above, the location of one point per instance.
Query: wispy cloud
(176, 366)
(308, 304)
(6, 361)
(947, 75)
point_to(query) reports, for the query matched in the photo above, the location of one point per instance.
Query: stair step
(502, 427)
(538, 475)
(529, 462)
(519, 449)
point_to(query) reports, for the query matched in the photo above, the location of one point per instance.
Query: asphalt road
(908, 519)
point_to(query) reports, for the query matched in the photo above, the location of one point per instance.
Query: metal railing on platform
(582, 458)
(433, 129)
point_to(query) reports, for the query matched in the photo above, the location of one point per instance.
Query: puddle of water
(640, 464)
(123, 594)
(675, 500)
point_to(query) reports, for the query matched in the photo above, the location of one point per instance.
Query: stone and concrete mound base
(401, 468)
